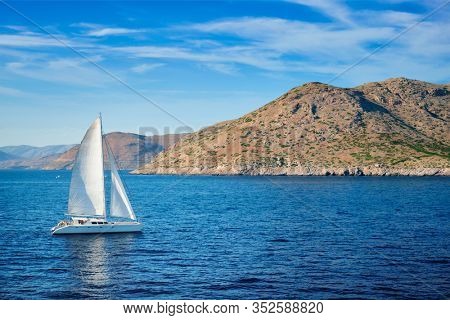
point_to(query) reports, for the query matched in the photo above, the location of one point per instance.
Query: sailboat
(87, 205)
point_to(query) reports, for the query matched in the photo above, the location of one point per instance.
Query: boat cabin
(82, 221)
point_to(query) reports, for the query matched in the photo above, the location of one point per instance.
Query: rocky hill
(130, 150)
(395, 127)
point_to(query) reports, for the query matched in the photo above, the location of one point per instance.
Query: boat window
(100, 223)
(94, 222)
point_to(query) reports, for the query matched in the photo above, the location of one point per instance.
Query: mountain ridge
(394, 127)
(129, 149)
(32, 152)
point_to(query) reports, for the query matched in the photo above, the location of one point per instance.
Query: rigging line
(92, 62)
(384, 45)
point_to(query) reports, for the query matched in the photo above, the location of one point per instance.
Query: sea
(233, 237)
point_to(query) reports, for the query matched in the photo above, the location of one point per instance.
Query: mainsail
(87, 188)
(120, 204)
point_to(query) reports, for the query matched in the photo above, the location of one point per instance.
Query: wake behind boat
(87, 205)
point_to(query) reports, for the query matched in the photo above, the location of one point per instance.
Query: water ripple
(233, 238)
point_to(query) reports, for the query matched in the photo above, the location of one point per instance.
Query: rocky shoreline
(302, 171)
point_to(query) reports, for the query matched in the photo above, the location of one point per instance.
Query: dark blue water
(233, 238)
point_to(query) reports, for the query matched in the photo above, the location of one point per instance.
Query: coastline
(299, 171)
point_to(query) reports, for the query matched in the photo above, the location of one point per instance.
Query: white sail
(87, 188)
(120, 204)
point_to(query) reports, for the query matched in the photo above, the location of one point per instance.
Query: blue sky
(202, 62)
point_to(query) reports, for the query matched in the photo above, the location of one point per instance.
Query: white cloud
(248, 55)
(10, 91)
(388, 17)
(274, 38)
(87, 25)
(389, 64)
(16, 53)
(227, 69)
(332, 8)
(67, 70)
(26, 41)
(112, 32)
(145, 67)
(338, 10)
(16, 28)
(265, 43)
(98, 30)
(287, 45)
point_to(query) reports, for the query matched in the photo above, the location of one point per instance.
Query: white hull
(111, 227)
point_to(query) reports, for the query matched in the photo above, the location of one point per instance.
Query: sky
(163, 67)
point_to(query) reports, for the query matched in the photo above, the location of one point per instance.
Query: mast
(103, 162)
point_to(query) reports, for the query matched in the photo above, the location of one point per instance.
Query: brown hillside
(398, 126)
(130, 150)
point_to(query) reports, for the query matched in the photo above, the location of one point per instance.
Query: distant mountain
(130, 151)
(6, 156)
(30, 152)
(395, 127)
(36, 164)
